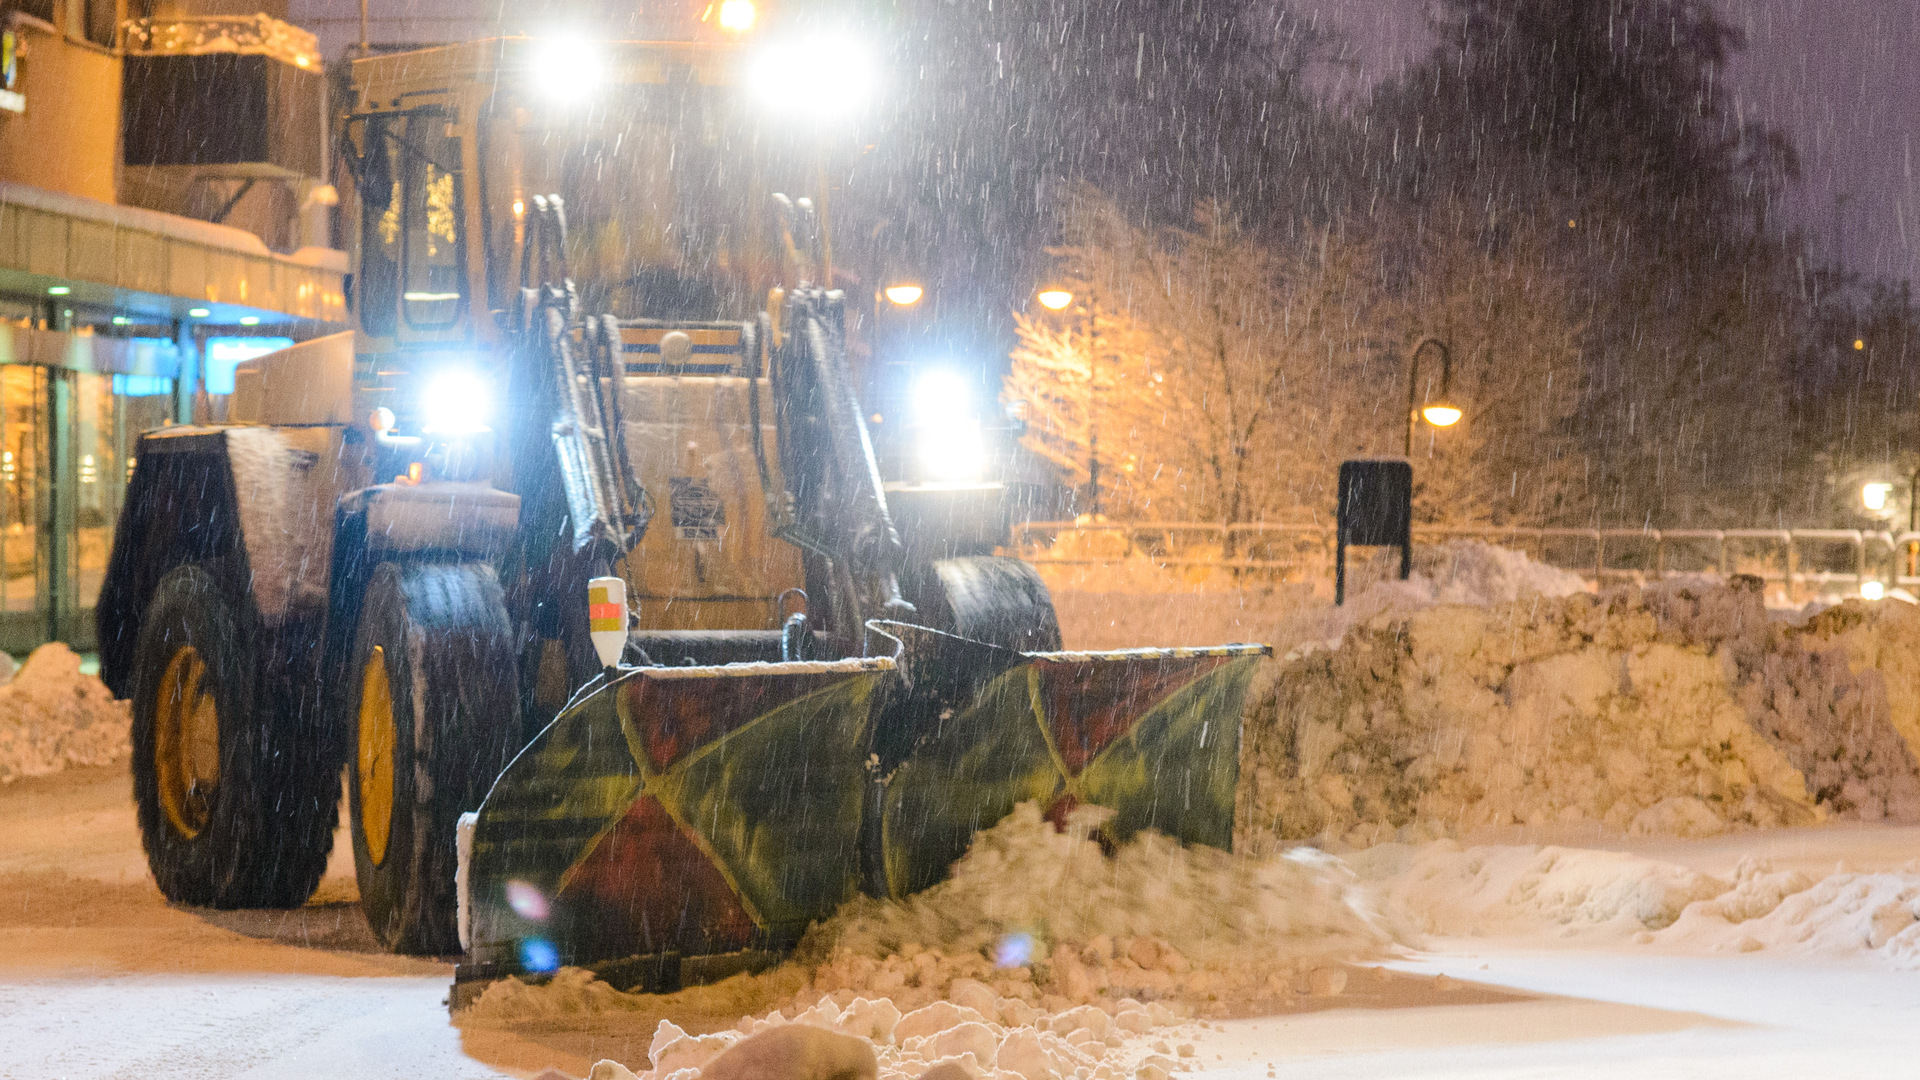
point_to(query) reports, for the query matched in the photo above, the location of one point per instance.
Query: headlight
(457, 403)
(941, 394)
(568, 68)
(737, 15)
(823, 76)
(951, 445)
(953, 450)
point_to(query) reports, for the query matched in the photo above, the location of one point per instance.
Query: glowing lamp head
(736, 16)
(1875, 495)
(457, 403)
(1872, 590)
(904, 295)
(1054, 299)
(1441, 414)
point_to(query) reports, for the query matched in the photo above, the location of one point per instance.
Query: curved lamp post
(1057, 299)
(1440, 412)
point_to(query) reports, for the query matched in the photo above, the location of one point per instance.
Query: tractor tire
(237, 799)
(431, 705)
(988, 598)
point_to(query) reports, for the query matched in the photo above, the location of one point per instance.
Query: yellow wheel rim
(186, 737)
(376, 756)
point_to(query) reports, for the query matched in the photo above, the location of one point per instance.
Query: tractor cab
(637, 179)
(655, 149)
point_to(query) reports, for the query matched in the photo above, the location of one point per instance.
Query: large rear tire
(988, 598)
(432, 708)
(237, 793)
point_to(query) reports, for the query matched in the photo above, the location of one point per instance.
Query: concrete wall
(68, 138)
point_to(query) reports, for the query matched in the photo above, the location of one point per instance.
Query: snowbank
(52, 717)
(1595, 897)
(1154, 918)
(1680, 708)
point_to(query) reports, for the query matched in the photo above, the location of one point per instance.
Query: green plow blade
(677, 812)
(682, 823)
(1153, 734)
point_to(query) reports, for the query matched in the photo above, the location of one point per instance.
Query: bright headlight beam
(953, 449)
(567, 68)
(457, 403)
(826, 76)
(737, 16)
(941, 394)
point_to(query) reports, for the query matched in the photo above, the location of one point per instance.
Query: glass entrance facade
(67, 441)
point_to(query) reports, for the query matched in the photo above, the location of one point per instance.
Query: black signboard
(1376, 510)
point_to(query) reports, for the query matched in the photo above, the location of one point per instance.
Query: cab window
(432, 286)
(411, 223)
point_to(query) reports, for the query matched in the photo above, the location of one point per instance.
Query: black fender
(240, 501)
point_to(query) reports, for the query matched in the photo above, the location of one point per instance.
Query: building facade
(163, 216)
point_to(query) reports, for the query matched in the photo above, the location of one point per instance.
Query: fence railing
(1801, 561)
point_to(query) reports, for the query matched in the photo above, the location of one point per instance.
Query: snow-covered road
(100, 978)
(1606, 1015)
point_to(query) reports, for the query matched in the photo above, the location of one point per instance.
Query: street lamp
(1439, 412)
(1057, 299)
(903, 295)
(1877, 496)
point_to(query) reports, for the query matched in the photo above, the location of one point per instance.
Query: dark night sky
(1840, 76)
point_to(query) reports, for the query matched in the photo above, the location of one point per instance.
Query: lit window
(226, 353)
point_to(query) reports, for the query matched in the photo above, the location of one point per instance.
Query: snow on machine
(579, 532)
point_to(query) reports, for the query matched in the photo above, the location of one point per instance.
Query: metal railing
(1801, 561)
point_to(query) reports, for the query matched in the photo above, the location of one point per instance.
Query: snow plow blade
(1153, 734)
(678, 825)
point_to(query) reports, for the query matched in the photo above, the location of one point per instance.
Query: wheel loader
(572, 559)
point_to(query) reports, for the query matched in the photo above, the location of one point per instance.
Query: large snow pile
(1154, 918)
(1473, 572)
(1882, 638)
(1037, 957)
(1676, 708)
(1586, 896)
(52, 717)
(1457, 572)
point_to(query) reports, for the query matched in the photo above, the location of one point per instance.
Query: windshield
(666, 200)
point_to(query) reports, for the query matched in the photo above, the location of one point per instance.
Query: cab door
(414, 280)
